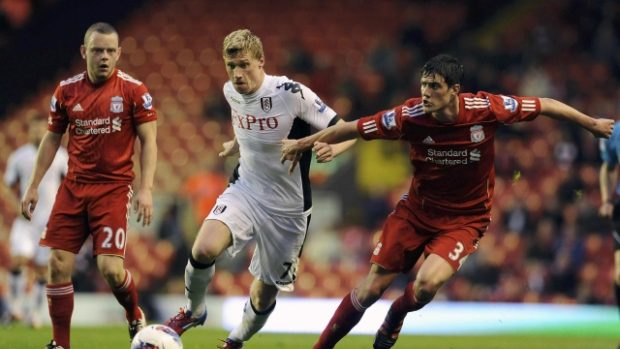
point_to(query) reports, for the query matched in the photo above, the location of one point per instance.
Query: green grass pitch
(20, 337)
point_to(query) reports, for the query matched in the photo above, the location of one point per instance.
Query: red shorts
(83, 209)
(409, 232)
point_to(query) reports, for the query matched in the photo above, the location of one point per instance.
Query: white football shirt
(19, 168)
(278, 110)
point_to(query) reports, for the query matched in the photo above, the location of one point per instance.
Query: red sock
(60, 304)
(347, 315)
(399, 309)
(407, 302)
(127, 296)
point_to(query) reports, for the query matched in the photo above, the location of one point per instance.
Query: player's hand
(292, 152)
(29, 202)
(602, 128)
(606, 209)
(230, 148)
(143, 206)
(324, 152)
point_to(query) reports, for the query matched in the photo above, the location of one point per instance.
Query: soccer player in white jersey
(262, 202)
(24, 237)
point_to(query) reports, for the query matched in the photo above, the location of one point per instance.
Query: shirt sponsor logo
(510, 104)
(265, 104)
(116, 104)
(117, 122)
(251, 122)
(388, 119)
(452, 157)
(148, 101)
(97, 126)
(477, 133)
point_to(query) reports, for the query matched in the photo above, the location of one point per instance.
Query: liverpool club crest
(116, 104)
(477, 133)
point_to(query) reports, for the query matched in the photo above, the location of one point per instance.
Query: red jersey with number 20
(102, 121)
(453, 163)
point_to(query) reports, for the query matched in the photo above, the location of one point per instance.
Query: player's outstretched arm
(147, 132)
(45, 155)
(560, 111)
(230, 147)
(326, 152)
(338, 133)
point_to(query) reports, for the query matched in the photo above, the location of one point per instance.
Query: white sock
(196, 282)
(250, 323)
(17, 288)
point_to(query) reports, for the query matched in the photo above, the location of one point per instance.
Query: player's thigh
(278, 245)
(108, 212)
(454, 246)
(67, 226)
(21, 240)
(213, 238)
(230, 223)
(400, 244)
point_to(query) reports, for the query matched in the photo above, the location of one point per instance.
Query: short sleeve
(512, 109)
(307, 105)
(144, 111)
(58, 119)
(388, 124)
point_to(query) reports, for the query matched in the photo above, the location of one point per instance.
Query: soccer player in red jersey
(104, 110)
(447, 209)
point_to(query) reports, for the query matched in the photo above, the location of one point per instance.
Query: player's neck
(448, 114)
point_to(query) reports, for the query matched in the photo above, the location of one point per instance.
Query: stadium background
(546, 243)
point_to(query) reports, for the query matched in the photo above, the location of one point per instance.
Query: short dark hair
(101, 28)
(445, 65)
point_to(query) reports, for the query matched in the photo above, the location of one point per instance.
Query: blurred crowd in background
(546, 242)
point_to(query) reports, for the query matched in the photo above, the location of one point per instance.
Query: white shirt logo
(428, 140)
(116, 105)
(477, 133)
(77, 107)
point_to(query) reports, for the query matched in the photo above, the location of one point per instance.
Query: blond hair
(240, 41)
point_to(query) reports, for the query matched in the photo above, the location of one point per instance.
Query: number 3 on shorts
(456, 253)
(117, 238)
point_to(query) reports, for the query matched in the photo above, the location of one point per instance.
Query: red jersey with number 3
(101, 120)
(453, 163)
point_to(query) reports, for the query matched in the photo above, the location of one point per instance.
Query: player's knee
(205, 253)
(368, 294)
(59, 270)
(426, 288)
(262, 304)
(113, 275)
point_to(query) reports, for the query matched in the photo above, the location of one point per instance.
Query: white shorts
(24, 241)
(278, 239)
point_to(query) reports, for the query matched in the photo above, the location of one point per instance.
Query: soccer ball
(156, 337)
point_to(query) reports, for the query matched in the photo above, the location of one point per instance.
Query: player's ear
(83, 51)
(456, 88)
